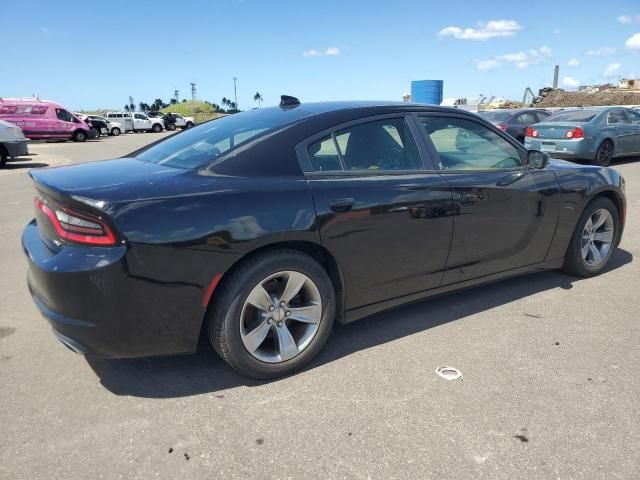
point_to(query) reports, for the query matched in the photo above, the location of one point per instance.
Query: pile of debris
(600, 95)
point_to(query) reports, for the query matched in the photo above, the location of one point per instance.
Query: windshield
(197, 146)
(573, 116)
(495, 116)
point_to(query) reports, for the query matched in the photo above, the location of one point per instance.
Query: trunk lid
(555, 130)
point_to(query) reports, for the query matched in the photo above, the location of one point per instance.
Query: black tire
(79, 136)
(115, 132)
(224, 315)
(604, 154)
(3, 157)
(156, 128)
(188, 125)
(574, 264)
(98, 133)
(172, 127)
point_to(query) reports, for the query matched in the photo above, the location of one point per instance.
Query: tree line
(227, 106)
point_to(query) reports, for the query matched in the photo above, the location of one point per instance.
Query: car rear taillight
(76, 227)
(575, 133)
(502, 127)
(531, 132)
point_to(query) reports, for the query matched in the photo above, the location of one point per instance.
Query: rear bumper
(97, 307)
(566, 149)
(17, 148)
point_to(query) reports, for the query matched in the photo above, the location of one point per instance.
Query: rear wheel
(188, 125)
(115, 131)
(594, 239)
(273, 314)
(604, 154)
(157, 128)
(79, 136)
(171, 127)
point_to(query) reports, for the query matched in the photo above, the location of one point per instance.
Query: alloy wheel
(604, 154)
(280, 316)
(597, 238)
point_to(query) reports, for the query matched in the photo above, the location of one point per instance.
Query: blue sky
(85, 56)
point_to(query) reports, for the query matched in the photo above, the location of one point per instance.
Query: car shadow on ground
(205, 372)
(23, 162)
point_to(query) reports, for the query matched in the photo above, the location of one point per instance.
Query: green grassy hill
(200, 111)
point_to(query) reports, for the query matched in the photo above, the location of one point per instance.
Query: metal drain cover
(449, 373)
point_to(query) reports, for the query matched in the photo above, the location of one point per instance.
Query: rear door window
(381, 145)
(527, 118)
(617, 116)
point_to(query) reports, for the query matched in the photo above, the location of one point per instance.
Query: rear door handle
(341, 204)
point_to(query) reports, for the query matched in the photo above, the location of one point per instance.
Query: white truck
(136, 121)
(183, 122)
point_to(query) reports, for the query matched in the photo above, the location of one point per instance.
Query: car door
(140, 122)
(505, 212)
(634, 118)
(66, 123)
(623, 131)
(384, 215)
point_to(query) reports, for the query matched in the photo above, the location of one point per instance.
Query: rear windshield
(495, 116)
(573, 116)
(200, 145)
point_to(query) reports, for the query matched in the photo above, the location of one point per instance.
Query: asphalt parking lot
(550, 385)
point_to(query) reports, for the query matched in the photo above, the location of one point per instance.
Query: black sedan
(515, 122)
(262, 228)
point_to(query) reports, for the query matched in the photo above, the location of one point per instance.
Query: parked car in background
(100, 126)
(113, 128)
(261, 229)
(13, 143)
(515, 122)
(168, 120)
(596, 135)
(43, 119)
(183, 122)
(136, 121)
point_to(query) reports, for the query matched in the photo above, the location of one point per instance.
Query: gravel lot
(550, 390)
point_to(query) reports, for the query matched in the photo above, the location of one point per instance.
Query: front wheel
(188, 125)
(79, 136)
(594, 239)
(273, 314)
(604, 154)
(115, 131)
(157, 128)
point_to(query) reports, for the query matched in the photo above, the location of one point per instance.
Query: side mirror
(537, 159)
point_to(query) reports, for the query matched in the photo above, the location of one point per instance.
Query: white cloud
(329, 52)
(601, 52)
(629, 18)
(570, 82)
(612, 70)
(633, 42)
(520, 59)
(485, 31)
(573, 63)
(489, 64)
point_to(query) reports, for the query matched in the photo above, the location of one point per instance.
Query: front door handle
(341, 204)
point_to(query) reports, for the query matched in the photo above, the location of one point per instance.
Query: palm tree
(258, 98)
(126, 108)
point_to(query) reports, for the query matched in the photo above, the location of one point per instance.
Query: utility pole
(193, 90)
(176, 95)
(235, 91)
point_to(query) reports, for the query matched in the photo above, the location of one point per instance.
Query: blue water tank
(427, 91)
